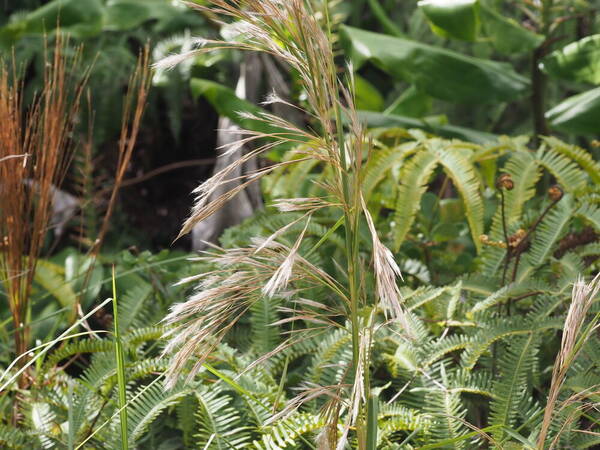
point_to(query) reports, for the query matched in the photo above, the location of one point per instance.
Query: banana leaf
(577, 61)
(458, 19)
(439, 72)
(228, 104)
(79, 18)
(378, 120)
(578, 114)
(505, 34)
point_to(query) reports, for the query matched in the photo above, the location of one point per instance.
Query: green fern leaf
(515, 365)
(132, 304)
(148, 405)
(286, 433)
(448, 414)
(525, 172)
(413, 183)
(466, 181)
(589, 213)
(14, 438)
(264, 336)
(381, 162)
(552, 228)
(396, 417)
(571, 178)
(577, 154)
(492, 332)
(332, 359)
(219, 422)
(43, 423)
(78, 347)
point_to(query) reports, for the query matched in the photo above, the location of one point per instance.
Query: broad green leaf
(578, 114)
(228, 104)
(77, 267)
(79, 18)
(128, 14)
(452, 18)
(578, 61)
(439, 72)
(52, 278)
(378, 120)
(505, 34)
(412, 103)
(367, 95)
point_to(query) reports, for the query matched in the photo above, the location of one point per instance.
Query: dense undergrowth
(409, 284)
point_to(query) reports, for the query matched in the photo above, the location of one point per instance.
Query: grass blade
(120, 368)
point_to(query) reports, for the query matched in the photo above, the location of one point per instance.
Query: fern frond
(413, 182)
(132, 305)
(501, 329)
(147, 407)
(86, 345)
(147, 366)
(380, 162)
(468, 381)
(139, 336)
(515, 365)
(286, 433)
(101, 368)
(577, 154)
(263, 336)
(466, 181)
(186, 418)
(219, 421)
(446, 345)
(43, 423)
(525, 172)
(589, 213)
(332, 358)
(447, 413)
(396, 417)
(553, 227)
(14, 438)
(421, 296)
(571, 178)
(508, 291)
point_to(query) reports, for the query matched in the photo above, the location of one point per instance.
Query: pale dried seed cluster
(290, 33)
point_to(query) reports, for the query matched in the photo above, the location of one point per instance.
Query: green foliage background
(455, 94)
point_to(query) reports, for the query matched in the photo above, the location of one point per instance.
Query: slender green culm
(372, 412)
(120, 367)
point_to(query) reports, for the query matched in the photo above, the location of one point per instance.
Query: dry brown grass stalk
(574, 337)
(133, 111)
(43, 133)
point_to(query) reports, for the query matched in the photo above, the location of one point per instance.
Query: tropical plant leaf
(79, 18)
(378, 120)
(439, 72)
(577, 61)
(51, 277)
(457, 19)
(506, 35)
(578, 114)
